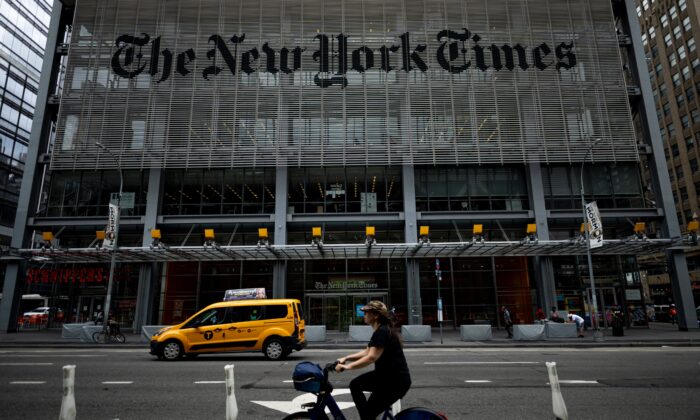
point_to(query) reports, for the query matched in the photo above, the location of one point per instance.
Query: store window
(219, 191)
(471, 189)
(372, 189)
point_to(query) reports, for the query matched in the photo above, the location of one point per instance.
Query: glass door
(606, 299)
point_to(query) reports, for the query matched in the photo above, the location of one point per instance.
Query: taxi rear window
(275, 311)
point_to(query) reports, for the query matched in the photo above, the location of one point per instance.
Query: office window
(652, 33)
(693, 165)
(686, 73)
(672, 60)
(639, 11)
(686, 24)
(685, 122)
(667, 109)
(645, 39)
(668, 40)
(681, 5)
(695, 116)
(676, 78)
(681, 53)
(664, 21)
(696, 64)
(691, 45)
(679, 172)
(659, 69)
(673, 12)
(680, 100)
(677, 32)
(671, 131)
(684, 193)
(689, 143)
(690, 93)
(645, 4)
(662, 90)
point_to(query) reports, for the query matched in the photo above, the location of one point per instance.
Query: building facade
(428, 154)
(668, 36)
(23, 31)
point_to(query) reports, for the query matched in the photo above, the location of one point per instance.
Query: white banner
(111, 229)
(596, 225)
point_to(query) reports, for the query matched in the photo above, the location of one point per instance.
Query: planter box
(559, 330)
(475, 332)
(416, 333)
(315, 333)
(73, 331)
(360, 333)
(528, 332)
(87, 331)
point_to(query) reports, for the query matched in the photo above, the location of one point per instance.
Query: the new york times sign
(458, 51)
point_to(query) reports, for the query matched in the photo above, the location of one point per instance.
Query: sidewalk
(658, 334)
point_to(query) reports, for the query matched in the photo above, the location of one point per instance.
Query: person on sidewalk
(507, 320)
(390, 380)
(554, 315)
(540, 315)
(673, 314)
(579, 323)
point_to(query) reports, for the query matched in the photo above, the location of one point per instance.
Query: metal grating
(409, 95)
(343, 251)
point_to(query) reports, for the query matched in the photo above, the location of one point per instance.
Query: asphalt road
(610, 383)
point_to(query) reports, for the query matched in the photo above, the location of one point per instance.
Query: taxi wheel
(171, 350)
(273, 350)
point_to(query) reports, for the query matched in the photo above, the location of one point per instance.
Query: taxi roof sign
(245, 294)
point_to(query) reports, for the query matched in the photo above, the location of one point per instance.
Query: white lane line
(287, 381)
(210, 382)
(575, 381)
(478, 381)
(482, 363)
(26, 364)
(27, 382)
(118, 382)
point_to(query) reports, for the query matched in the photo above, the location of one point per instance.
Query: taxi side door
(245, 326)
(206, 333)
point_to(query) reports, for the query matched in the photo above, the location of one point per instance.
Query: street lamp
(108, 298)
(597, 335)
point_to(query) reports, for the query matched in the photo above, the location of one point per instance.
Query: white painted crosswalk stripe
(27, 382)
(482, 363)
(576, 381)
(210, 382)
(118, 382)
(478, 381)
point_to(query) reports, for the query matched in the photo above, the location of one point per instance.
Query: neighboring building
(23, 29)
(669, 29)
(318, 120)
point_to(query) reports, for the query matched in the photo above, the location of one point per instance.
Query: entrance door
(338, 311)
(606, 300)
(88, 307)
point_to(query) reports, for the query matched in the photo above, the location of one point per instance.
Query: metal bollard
(68, 411)
(231, 405)
(558, 405)
(396, 407)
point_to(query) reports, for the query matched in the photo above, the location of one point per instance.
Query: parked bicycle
(309, 377)
(110, 334)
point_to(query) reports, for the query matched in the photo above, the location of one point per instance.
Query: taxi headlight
(159, 332)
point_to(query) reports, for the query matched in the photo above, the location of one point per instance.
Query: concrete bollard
(231, 405)
(558, 405)
(68, 411)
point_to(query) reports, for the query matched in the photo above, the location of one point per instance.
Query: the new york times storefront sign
(458, 51)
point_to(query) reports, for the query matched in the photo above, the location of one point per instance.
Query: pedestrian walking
(673, 314)
(508, 321)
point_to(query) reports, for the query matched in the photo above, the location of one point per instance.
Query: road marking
(575, 381)
(482, 363)
(27, 382)
(118, 382)
(287, 381)
(289, 407)
(209, 382)
(478, 381)
(26, 364)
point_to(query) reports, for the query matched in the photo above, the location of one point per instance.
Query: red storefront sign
(67, 275)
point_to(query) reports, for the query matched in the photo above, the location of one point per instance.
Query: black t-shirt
(392, 363)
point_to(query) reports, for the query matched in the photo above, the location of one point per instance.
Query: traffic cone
(68, 411)
(231, 405)
(558, 405)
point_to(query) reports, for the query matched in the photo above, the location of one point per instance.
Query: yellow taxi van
(273, 326)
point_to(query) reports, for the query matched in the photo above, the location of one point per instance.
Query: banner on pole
(595, 224)
(111, 229)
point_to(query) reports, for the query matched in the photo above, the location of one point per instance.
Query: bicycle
(109, 334)
(319, 385)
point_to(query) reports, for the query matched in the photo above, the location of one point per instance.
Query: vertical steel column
(279, 272)
(543, 267)
(31, 179)
(148, 272)
(414, 304)
(680, 279)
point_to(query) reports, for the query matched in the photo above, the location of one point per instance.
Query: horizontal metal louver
(200, 84)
